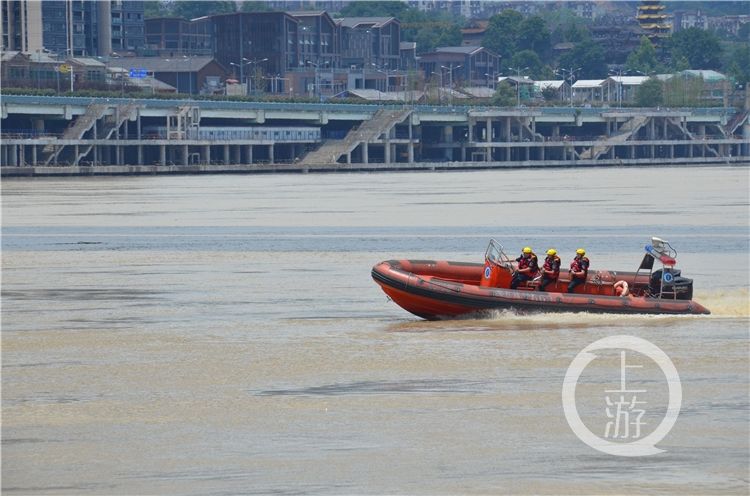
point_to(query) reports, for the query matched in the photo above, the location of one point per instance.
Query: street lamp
(570, 77)
(317, 84)
(242, 65)
(518, 82)
(619, 72)
(383, 70)
(493, 76)
(190, 72)
(251, 62)
(450, 83)
(440, 91)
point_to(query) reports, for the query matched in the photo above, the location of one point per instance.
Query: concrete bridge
(48, 134)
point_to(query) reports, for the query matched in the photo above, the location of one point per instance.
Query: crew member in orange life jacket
(528, 268)
(550, 269)
(579, 268)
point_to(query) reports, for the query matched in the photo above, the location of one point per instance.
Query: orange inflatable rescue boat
(442, 289)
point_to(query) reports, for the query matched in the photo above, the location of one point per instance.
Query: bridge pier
(448, 139)
(410, 146)
(365, 152)
(271, 158)
(249, 154)
(206, 155)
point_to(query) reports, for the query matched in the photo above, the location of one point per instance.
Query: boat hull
(437, 290)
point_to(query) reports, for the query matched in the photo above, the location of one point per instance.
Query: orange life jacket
(530, 262)
(552, 264)
(580, 264)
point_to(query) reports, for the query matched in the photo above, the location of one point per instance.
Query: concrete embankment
(127, 170)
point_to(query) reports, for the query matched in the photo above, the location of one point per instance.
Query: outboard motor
(671, 284)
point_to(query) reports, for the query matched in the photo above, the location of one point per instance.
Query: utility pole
(450, 80)
(518, 83)
(571, 77)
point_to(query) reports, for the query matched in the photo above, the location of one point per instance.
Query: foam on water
(725, 303)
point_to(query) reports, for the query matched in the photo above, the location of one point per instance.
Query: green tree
(743, 33)
(505, 95)
(700, 48)
(589, 56)
(643, 59)
(156, 8)
(430, 30)
(534, 35)
(189, 9)
(437, 34)
(254, 6)
(739, 64)
(576, 32)
(375, 9)
(550, 94)
(649, 94)
(565, 25)
(683, 91)
(528, 58)
(502, 33)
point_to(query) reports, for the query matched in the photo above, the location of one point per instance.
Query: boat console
(666, 282)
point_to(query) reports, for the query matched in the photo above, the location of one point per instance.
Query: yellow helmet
(551, 252)
(527, 249)
(581, 251)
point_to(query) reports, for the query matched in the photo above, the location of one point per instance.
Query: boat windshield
(496, 254)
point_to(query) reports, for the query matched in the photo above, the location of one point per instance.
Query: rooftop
(707, 74)
(392, 96)
(356, 22)
(479, 91)
(549, 83)
(629, 80)
(157, 64)
(459, 49)
(588, 83)
(87, 61)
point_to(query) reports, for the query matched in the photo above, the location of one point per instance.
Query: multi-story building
(470, 9)
(268, 41)
(306, 5)
(370, 41)
(72, 27)
(686, 19)
(729, 24)
(464, 65)
(171, 36)
(318, 39)
(582, 9)
(126, 26)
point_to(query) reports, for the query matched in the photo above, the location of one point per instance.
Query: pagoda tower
(653, 20)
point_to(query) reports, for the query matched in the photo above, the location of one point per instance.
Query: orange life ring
(621, 288)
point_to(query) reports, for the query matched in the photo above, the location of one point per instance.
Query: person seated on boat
(579, 269)
(550, 269)
(528, 268)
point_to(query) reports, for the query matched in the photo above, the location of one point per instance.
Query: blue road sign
(137, 73)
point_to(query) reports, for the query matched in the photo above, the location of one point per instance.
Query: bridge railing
(343, 107)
